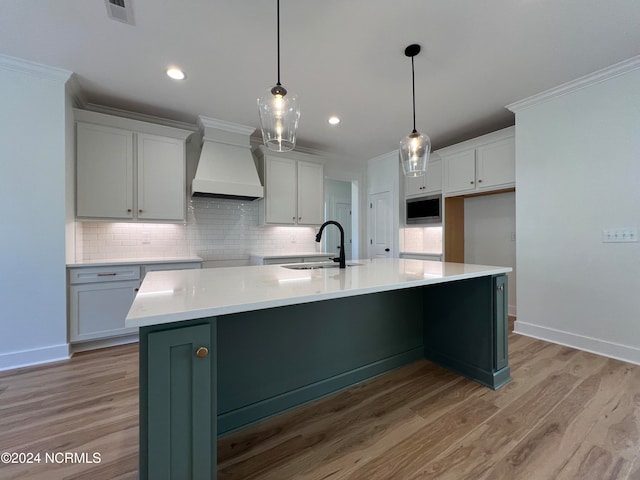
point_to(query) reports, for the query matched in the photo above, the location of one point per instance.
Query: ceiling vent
(121, 10)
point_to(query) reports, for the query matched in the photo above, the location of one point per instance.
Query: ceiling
(342, 57)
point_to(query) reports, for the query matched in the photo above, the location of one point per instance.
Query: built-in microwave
(424, 210)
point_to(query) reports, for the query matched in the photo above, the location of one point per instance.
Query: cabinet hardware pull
(140, 211)
(136, 289)
(128, 210)
(501, 288)
(113, 274)
(471, 182)
(479, 181)
(299, 218)
(202, 352)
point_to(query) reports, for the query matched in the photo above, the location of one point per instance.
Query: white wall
(577, 173)
(33, 317)
(489, 231)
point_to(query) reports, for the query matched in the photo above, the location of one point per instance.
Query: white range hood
(226, 168)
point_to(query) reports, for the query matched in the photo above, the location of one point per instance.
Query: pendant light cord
(413, 83)
(278, 30)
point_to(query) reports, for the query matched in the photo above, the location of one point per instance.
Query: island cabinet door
(177, 424)
(501, 333)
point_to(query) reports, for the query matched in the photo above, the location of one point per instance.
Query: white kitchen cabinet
(104, 172)
(129, 170)
(310, 193)
(294, 188)
(99, 300)
(426, 184)
(161, 178)
(100, 297)
(482, 164)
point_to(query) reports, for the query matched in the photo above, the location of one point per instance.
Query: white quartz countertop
(173, 296)
(133, 261)
(292, 255)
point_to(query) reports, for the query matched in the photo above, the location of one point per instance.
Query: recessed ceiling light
(175, 73)
(334, 120)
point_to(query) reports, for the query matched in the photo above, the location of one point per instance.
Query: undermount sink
(316, 265)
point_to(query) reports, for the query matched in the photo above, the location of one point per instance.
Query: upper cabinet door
(496, 164)
(161, 178)
(280, 191)
(460, 172)
(104, 172)
(310, 193)
(433, 182)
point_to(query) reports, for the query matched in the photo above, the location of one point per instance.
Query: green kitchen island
(222, 348)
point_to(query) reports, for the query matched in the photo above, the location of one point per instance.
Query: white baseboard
(512, 311)
(588, 344)
(36, 356)
(103, 343)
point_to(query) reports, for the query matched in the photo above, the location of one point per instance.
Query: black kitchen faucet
(341, 258)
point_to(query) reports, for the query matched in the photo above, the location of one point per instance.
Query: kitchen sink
(316, 265)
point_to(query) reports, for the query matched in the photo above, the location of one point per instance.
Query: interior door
(343, 217)
(381, 242)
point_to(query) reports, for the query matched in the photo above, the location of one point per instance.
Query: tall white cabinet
(294, 188)
(128, 170)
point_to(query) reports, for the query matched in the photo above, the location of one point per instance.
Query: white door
(343, 217)
(381, 242)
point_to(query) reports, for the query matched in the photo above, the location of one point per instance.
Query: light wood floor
(567, 414)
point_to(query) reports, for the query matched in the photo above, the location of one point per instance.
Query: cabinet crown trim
(87, 116)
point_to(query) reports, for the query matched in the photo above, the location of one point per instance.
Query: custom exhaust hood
(226, 168)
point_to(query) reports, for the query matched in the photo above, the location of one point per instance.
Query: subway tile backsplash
(217, 230)
(422, 239)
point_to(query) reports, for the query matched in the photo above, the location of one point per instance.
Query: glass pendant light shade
(414, 154)
(279, 111)
(279, 116)
(415, 147)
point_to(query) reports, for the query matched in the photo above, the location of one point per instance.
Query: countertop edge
(193, 314)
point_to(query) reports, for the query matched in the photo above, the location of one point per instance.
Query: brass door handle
(202, 352)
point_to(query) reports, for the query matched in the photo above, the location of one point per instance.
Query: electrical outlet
(620, 235)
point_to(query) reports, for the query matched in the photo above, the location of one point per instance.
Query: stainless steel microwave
(424, 210)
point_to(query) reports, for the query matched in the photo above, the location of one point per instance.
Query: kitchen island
(223, 348)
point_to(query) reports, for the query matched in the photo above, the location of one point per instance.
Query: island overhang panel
(301, 336)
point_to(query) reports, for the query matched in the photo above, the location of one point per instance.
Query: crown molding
(602, 75)
(209, 122)
(75, 92)
(36, 69)
(140, 117)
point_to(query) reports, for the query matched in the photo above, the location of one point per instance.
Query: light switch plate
(620, 235)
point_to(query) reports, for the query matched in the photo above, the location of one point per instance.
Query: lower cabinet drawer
(104, 274)
(98, 310)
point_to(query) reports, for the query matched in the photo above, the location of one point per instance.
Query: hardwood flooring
(566, 414)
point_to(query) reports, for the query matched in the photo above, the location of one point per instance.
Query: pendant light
(415, 147)
(279, 112)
